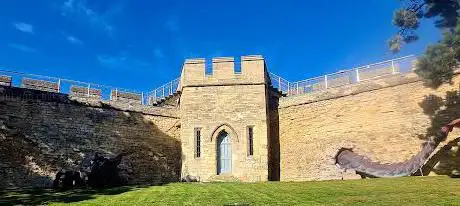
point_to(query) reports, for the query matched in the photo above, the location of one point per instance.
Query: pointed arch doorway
(224, 153)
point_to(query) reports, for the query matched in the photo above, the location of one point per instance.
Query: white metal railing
(345, 77)
(73, 88)
(163, 91)
(278, 82)
(104, 92)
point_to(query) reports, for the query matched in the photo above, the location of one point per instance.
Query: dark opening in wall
(197, 142)
(250, 140)
(274, 138)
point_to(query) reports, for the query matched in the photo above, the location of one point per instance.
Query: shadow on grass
(43, 196)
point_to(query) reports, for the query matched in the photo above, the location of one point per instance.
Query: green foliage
(452, 40)
(437, 65)
(407, 19)
(395, 43)
(445, 12)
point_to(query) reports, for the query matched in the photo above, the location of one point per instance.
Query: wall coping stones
(36, 95)
(40, 85)
(352, 89)
(5, 80)
(195, 61)
(223, 59)
(348, 90)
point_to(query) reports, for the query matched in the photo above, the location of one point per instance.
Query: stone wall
(230, 102)
(386, 119)
(42, 132)
(295, 138)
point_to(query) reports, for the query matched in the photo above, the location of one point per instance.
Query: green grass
(398, 191)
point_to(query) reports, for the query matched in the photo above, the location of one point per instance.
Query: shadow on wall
(274, 140)
(441, 111)
(446, 161)
(42, 132)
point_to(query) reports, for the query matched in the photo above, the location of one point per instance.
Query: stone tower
(224, 120)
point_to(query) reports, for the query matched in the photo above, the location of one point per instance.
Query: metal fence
(104, 92)
(278, 82)
(164, 91)
(344, 77)
(72, 88)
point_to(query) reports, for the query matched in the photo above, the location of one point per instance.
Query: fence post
(163, 92)
(357, 75)
(142, 96)
(297, 89)
(89, 86)
(171, 88)
(155, 96)
(289, 87)
(59, 85)
(149, 100)
(279, 83)
(116, 94)
(393, 67)
(325, 81)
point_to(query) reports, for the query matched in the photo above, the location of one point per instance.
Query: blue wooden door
(224, 154)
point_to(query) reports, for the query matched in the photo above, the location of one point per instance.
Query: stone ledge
(15, 93)
(225, 83)
(223, 59)
(354, 89)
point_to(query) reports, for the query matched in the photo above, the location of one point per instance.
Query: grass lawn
(398, 191)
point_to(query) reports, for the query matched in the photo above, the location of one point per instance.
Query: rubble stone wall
(386, 119)
(42, 132)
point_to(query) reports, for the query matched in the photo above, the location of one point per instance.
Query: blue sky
(141, 44)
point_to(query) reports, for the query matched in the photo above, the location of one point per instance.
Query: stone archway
(224, 136)
(224, 127)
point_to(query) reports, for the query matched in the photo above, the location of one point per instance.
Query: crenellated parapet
(225, 100)
(253, 71)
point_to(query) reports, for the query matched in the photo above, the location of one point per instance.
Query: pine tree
(438, 62)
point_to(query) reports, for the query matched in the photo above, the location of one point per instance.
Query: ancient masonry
(225, 125)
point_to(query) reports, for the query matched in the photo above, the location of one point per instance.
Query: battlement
(224, 72)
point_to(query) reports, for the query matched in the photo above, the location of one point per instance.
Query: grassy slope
(399, 191)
